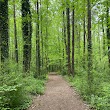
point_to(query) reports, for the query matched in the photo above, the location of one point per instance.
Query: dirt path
(58, 96)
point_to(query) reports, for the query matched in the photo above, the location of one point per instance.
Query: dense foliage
(16, 90)
(37, 36)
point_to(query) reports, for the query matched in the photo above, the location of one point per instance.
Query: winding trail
(58, 96)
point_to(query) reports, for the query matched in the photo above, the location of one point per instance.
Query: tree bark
(90, 77)
(103, 35)
(99, 41)
(64, 33)
(42, 40)
(46, 38)
(68, 35)
(15, 32)
(4, 37)
(73, 41)
(27, 33)
(37, 41)
(108, 32)
(84, 37)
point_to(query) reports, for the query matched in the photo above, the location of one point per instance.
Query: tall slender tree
(108, 31)
(68, 37)
(4, 37)
(64, 35)
(59, 51)
(41, 34)
(46, 36)
(64, 32)
(103, 31)
(90, 78)
(27, 33)
(37, 40)
(84, 35)
(73, 36)
(15, 32)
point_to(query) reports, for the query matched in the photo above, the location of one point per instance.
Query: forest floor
(58, 96)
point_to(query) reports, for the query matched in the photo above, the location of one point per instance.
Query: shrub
(33, 85)
(13, 94)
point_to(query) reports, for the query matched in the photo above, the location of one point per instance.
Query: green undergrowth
(35, 86)
(16, 90)
(99, 98)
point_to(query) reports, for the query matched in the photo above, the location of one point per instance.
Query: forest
(70, 37)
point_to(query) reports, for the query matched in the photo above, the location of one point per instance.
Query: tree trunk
(59, 51)
(15, 32)
(99, 41)
(84, 37)
(27, 33)
(108, 32)
(90, 78)
(37, 41)
(65, 38)
(103, 36)
(79, 45)
(46, 39)
(73, 42)
(64, 32)
(4, 37)
(42, 40)
(68, 34)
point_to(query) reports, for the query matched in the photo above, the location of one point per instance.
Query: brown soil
(58, 96)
